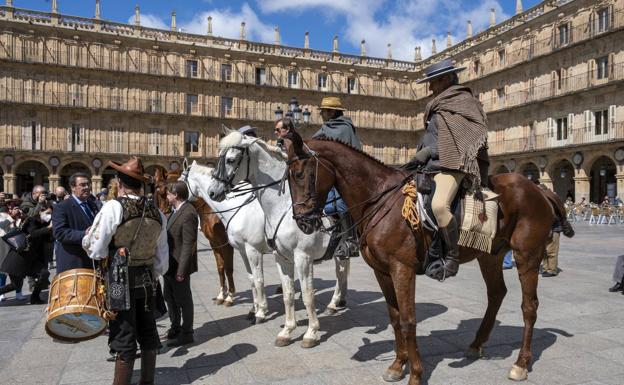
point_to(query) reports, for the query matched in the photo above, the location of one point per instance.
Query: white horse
(243, 219)
(263, 166)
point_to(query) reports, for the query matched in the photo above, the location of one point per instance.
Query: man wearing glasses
(71, 219)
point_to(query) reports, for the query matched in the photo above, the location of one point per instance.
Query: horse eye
(299, 175)
(229, 161)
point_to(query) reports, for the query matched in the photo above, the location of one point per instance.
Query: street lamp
(294, 112)
(279, 113)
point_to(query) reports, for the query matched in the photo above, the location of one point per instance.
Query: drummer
(131, 221)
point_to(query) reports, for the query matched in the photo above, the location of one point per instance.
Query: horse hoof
(228, 303)
(392, 376)
(308, 343)
(474, 353)
(342, 304)
(517, 373)
(259, 320)
(330, 311)
(218, 301)
(280, 342)
(251, 315)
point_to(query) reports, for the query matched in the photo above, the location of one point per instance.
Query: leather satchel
(17, 240)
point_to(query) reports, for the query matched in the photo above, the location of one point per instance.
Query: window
(559, 80)
(75, 95)
(500, 93)
(477, 67)
(501, 58)
(154, 104)
(564, 34)
(377, 87)
(31, 136)
(322, 82)
(260, 76)
(191, 68)
(352, 85)
(155, 142)
(154, 65)
(562, 128)
(226, 72)
(75, 137)
(601, 120)
(115, 140)
(602, 67)
(603, 20)
(192, 105)
(293, 79)
(191, 142)
(226, 106)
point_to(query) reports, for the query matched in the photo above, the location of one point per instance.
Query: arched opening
(107, 175)
(2, 179)
(70, 169)
(502, 169)
(563, 180)
(29, 174)
(531, 171)
(603, 181)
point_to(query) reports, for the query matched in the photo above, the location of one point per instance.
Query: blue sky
(402, 23)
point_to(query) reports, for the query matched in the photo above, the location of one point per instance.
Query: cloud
(403, 23)
(225, 23)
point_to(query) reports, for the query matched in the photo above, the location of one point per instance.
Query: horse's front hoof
(228, 303)
(517, 373)
(330, 311)
(218, 301)
(342, 304)
(280, 342)
(392, 376)
(251, 315)
(474, 353)
(308, 343)
(259, 320)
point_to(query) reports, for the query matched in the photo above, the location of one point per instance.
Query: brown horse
(371, 190)
(213, 229)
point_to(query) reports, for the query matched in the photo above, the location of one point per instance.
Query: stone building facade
(76, 92)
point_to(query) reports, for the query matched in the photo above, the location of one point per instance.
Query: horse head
(310, 179)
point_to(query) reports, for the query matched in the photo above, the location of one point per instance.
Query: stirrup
(437, 270)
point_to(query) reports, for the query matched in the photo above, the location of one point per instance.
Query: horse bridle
(220, 174)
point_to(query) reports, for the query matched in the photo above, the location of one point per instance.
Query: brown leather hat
(132, 168)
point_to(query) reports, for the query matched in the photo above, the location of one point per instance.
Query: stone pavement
(579, 338)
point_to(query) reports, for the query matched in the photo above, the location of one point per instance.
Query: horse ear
(226, 131)
(194, 163)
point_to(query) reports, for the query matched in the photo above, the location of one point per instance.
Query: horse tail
(560, 212)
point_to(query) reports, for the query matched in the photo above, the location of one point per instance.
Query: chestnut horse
(213, 229)
(372, 191)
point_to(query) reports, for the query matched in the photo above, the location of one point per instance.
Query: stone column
(545, 179)
(620, 185)
(581, 185)
(54, 180)
(10, 183)
(96, 184)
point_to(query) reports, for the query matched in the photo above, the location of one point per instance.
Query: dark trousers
(135, 325)
(179, 303)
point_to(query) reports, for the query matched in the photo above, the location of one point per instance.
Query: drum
(76, 306)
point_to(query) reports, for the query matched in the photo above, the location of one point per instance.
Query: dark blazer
(69, 223)
(182, 238)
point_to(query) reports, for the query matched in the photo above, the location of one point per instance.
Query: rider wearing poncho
(453, 150)
(339, 127)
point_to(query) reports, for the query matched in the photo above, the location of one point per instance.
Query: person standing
(59, 194)
(453, 151)
(182, 239)
(71, 219)
(130, 225)
(551, 257)
(32, 201)
(618, 276)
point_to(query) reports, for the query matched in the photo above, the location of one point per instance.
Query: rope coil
(410, 208)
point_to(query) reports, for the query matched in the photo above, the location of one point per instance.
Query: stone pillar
(449, 40)
(620, 185)
(96, 184)
(492, 17)
(306, 40)
(209, 31)
(545, 179)
(54, 180)
(434, 50)
(581, 185)
(10, 183)
(363, 48)
(54, 7)
(97, 9)
(173, 21)
(137, 15)
(469, 29)
(9, 3)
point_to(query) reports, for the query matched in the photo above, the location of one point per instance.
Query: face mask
(46, 217)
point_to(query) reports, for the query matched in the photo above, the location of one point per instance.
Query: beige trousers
(549, 264)
(446, 187)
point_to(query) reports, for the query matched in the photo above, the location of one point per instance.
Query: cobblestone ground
(579, 338)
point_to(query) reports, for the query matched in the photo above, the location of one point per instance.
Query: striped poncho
(462, 130)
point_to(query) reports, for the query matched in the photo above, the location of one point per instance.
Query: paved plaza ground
(579, 335)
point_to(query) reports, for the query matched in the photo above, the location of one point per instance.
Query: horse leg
(287, 276)
(257, 271)
(254, 295)
(228, 264)
(305, 274)
(394, 372)
(340, 292)
(495, 284)
(220, 270)
(528, 263)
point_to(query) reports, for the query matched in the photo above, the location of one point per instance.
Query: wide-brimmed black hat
(248, 130)
(440, 69)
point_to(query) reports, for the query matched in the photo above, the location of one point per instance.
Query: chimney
(173, 21)
(492, 17)
(518, 7)
(335, 45)
(242, 30)
(306, 40)
(363, 48)
(433, 47)
(449, 40)
(54, 6)
(137, 15)
(469, 29)
(417, 55)
(278, 40)
(209, 31)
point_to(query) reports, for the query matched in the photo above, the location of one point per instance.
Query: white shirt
(97, 240)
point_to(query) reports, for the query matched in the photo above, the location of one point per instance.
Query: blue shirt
(89, 214)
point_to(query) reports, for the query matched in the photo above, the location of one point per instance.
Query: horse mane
(328, 139)
(235, 138)
(204, 170)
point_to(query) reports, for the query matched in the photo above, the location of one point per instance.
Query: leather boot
(148, 367)
(123, 372)
(351, 236)
(450, 235)
(7, 288)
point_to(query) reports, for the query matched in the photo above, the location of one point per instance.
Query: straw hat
(331, 103)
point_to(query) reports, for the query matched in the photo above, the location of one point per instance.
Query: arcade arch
(531, 171)
(71, 168)
(603, 180)
(502, 169)
(562, 175)
(29, 174)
